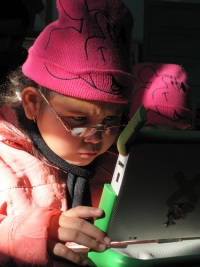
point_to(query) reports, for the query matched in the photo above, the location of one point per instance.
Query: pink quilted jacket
(29, 196)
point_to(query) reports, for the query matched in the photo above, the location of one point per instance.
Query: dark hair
(12, 95)
(16, 83)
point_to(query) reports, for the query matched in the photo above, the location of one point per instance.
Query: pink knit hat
(86, 52)
(163, 90)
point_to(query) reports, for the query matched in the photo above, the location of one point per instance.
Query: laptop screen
(159, 197)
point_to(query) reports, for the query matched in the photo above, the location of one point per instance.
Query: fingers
(81, 237)
(79, 226)
(69, 220)
(84, 212)
(62, 251)
(70, 226)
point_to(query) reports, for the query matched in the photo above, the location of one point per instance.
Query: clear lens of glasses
(86, 131)
(89, 131)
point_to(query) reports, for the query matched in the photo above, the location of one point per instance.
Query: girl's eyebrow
(71, 111)
(82, 113)
(89, 116)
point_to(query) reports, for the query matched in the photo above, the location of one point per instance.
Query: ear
(31, 102)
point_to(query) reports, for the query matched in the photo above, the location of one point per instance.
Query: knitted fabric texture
(86, 52)
(165, 94)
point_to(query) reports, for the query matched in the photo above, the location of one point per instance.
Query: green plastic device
(131, 131)
(107, 202)
(109, 196)
(111, 258)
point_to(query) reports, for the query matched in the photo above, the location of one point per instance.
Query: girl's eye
(80, 118)
(74, 121)
(112, 120)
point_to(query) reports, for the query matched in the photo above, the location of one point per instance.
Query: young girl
(62, 110)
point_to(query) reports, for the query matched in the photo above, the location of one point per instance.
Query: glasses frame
(93, 129)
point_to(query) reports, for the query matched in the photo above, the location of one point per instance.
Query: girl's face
(76, 150)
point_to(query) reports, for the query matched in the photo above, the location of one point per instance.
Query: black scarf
(78, 189)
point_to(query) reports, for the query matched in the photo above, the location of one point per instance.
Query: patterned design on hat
(86, 52)
(163, 90)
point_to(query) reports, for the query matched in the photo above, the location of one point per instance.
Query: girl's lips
(88, 155)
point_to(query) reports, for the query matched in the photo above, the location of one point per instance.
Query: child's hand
(70, 226)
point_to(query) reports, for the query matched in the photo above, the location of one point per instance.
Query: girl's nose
(94, 138)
